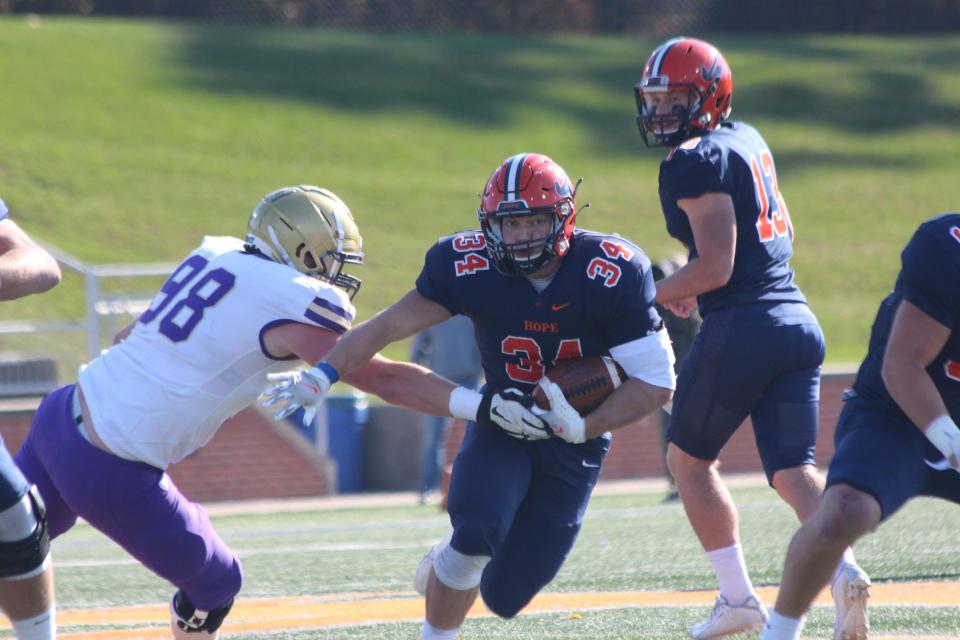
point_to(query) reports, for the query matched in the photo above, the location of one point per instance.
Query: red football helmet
(524, 185)
(684, 64)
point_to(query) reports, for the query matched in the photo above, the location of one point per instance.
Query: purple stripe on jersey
(265, 329)
(340, 311)
(3, 210)
(323, 322)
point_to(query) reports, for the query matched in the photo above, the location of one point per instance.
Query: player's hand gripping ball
(585, 382)
(572, 390)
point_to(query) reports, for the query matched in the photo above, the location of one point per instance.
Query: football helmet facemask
(310, 229)
(699, 70)
(524, 185)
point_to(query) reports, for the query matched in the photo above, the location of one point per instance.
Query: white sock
(780, 627)
(432, 633)
(731, 572)
(845, 559)
(41, 627)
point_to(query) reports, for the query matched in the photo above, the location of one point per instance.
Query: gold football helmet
(311, 230)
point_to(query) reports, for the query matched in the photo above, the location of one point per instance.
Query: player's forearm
(360, 344)
(405, 384)
(633, 401)
(693, 279)
(427, 393)
(913, 390)
(25, 271)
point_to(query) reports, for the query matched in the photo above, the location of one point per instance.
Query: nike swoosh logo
(558, 307)
(589, 465)
(940, 465)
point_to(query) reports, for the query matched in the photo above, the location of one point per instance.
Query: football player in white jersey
(230, 314)
(26, 575)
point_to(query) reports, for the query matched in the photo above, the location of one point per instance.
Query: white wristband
(941, 433)
(464, 403)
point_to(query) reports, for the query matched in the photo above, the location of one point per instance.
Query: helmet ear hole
(308, 229)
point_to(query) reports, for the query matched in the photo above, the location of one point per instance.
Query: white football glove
(564, 420)
(945, 436)
(300, 388)
(511, 410)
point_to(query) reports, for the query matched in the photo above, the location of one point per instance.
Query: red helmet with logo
(693, 66)
(524, 185)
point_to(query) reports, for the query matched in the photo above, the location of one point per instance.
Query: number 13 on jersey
(774, 220)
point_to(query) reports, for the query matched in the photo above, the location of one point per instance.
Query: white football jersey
(196, 356)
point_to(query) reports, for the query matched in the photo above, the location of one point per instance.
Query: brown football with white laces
(585, 382)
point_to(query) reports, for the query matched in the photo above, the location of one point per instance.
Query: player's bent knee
(500, 603)
(190, 623)
(24, 539)
(683, 464)
(848, 514)
(233, 581)
(459, 571)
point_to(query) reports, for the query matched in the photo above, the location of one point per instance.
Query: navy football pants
(885, 456)
(521, 503)
(750, 361)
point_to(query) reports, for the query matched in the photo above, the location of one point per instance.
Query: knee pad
(24, 540)
(459, 571)
(187, 619)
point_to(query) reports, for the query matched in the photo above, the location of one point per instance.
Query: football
(585, 382)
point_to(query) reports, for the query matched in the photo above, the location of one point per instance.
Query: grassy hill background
(126, 141)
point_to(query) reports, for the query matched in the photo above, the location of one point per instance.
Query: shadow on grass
(488, 81)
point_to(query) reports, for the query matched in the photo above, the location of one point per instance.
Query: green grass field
(128, 140)
(629, 542)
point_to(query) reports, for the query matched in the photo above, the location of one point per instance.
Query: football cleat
(425, 568)
(850, 590)
(727, 619)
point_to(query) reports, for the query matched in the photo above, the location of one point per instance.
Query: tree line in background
(581, 16)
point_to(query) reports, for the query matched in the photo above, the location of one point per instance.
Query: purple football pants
(133, 503)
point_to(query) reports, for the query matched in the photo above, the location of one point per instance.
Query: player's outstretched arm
(915, 341)
(25, 268)
(401, 383)
(402, 319)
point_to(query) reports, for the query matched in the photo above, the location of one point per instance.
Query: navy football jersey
(601, 297)
(930, 280)
(734, 159)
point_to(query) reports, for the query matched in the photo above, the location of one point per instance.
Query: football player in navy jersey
(897, 436)
(26, 573)
(760, 348)
(538, 291)
(233, 311)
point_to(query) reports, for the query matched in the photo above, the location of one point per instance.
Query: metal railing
(97, 305)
